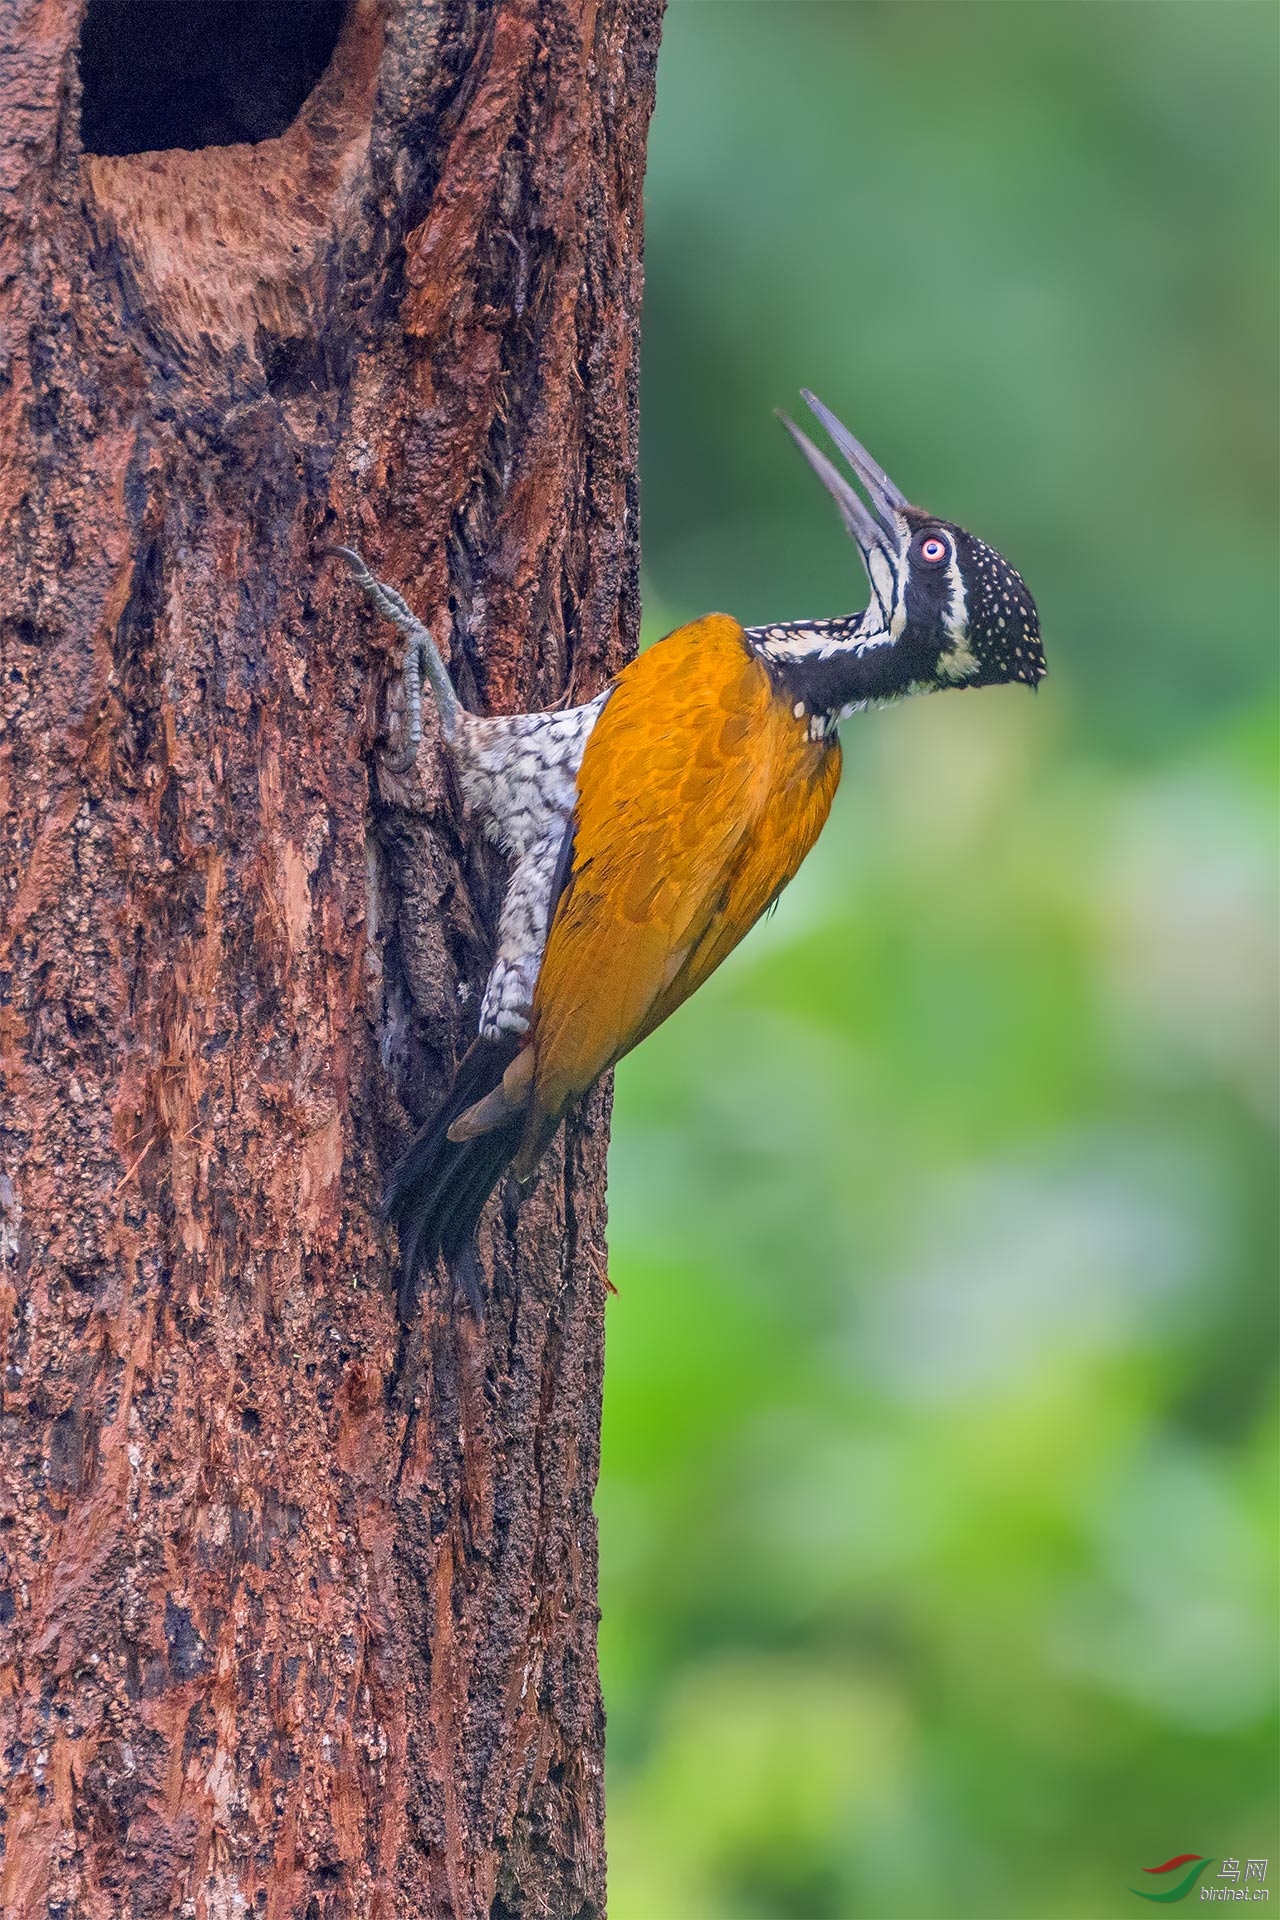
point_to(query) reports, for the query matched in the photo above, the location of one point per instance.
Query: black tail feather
(437, 1193)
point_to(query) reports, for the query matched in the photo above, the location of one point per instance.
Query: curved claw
(421, 658)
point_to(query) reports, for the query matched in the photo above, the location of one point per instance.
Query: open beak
(875, 527)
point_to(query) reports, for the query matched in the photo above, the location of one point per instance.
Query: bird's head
(947, 610)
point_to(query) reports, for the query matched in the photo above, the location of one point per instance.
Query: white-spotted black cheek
(1003, 624)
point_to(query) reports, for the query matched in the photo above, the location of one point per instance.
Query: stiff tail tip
(439, 1189)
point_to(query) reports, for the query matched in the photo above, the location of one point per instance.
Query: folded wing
(699, 795)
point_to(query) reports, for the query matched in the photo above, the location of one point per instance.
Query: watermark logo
(1190, 1867)
(1181, 1887)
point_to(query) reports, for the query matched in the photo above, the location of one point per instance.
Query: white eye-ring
(933, 551)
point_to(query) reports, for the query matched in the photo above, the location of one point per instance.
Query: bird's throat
(832, 668)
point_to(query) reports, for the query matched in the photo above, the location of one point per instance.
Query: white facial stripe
(958, 662)
(898, 617)
(884, 582)
(957, 620)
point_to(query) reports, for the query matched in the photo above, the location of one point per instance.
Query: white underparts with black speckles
(519, 775)
(519, 779)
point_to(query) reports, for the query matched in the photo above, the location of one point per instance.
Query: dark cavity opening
(199, 73)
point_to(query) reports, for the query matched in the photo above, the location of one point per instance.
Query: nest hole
(157, 74)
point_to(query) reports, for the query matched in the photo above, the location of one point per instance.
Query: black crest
(1004, 627)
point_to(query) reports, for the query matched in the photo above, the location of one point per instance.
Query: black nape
(199, 73)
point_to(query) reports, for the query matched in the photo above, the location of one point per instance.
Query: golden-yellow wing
(699, 795)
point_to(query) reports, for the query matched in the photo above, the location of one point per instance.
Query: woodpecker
(650, 828)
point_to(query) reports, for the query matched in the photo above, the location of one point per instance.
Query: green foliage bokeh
(938, 1506)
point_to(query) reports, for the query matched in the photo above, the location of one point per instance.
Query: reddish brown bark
(279, 1635)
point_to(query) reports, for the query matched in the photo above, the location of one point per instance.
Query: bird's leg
(421, 658)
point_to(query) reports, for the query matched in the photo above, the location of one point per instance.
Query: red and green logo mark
(1182, 1887)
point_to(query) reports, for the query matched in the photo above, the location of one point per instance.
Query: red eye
(933, 550)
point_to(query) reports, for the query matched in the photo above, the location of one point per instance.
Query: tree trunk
(294, 1619)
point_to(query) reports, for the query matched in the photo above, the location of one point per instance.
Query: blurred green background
(938, 1508)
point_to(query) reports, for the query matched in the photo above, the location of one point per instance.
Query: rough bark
(282, 1632)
